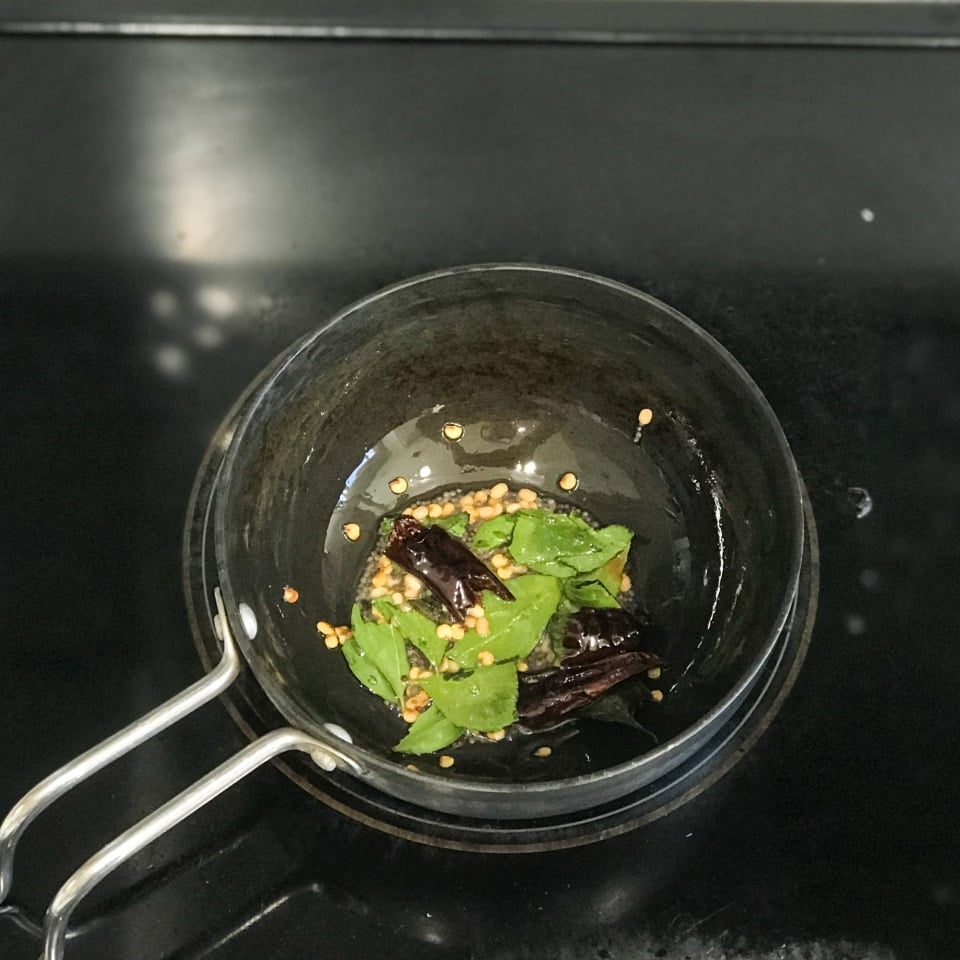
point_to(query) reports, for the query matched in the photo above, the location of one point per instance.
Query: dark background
(173, 212)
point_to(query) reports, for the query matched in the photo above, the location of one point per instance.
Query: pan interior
(546, 372)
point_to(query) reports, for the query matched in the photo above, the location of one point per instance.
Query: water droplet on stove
(861, 501)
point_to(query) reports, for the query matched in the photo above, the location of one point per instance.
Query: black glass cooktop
(175, 211)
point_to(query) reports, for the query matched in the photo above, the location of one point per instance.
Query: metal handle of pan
(35, 801)
(156, 824)
(87, 764)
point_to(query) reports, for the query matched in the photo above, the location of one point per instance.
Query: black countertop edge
(736, 22)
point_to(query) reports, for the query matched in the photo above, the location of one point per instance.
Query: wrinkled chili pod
(593, 634)
(548, 696)
(443, 563)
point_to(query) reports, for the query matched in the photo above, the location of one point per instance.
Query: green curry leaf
(598, 588)
(419, 630)
(562, 544)
(515, 625)
(455, 524)
(484, 700)
(377, 656)
(429, 732)
(494, 533)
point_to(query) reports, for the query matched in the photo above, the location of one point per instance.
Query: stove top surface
(176, 212)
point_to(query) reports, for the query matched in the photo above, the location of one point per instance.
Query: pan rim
(673, 749)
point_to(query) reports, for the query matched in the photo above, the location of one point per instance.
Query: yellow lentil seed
(466, 501)
(505, 573)
(500, 560)
(514, 507)
(657, 695)
(499, 490)
(331, 642)
(379, 579)
(449, 666)
(480, 497)
(378, 616)
(487, 512)
(446, 761)
(434, 511)
(469, 622)
(407, 511)
(519, 568)
(654, 673)
(410, 716)
(444, 631)
(522, 666)
(426, 675)
(485, 658)
(496, 735)
(542, 752)
(644, 416)
(483, 626)
(378, 592)
(457, 632)
(411, 582)
(497, 508)
(290, 595)
(625, 583)
(351, 531)
(397, 597)
(418, 701)
(421, 512)
(344, 633)
(453, 431)
(327, 629)
(475, 611)
(568, 482)
(413, 768)
(398, 485)
(449, 509)
(414, 673)
(384, 562)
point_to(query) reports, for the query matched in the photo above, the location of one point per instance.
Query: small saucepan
(546, 370)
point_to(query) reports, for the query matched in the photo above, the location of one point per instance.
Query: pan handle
(138, 732)
(156, 824)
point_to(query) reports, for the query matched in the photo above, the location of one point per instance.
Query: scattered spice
(645, 416)
(351, 531)
(568, 482)
(398, 485)
(446, 761)
(290, 595)
(453, 431)
(542, 752)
